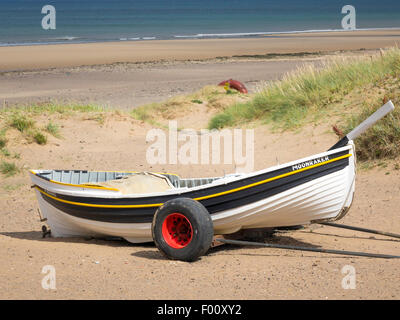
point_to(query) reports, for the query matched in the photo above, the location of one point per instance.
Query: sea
(81, 21)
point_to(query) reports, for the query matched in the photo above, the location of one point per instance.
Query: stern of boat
(350, 182)
(65, 225)
(327, 197)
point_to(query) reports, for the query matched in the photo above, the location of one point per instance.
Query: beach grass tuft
(8, 168)
(21, 122)
(3, 139)
(24, 124)
(53, 129)
(3, 142)
(221, 120)
(5, 152)
(40, 138)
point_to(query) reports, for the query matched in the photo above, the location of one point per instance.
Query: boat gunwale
(117, 194)
(348, 155)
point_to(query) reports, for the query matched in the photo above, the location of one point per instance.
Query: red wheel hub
(177, 231)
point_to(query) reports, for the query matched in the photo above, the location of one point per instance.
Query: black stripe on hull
(213, 205)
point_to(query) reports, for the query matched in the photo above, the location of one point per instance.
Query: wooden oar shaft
(383, 233)
(279, 246)
(365, 125)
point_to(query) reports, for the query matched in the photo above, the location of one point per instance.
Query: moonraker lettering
(309, 163)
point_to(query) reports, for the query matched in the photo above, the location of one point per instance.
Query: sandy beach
(125, 86)
(55, 56)
(98, 269)
(129, 74)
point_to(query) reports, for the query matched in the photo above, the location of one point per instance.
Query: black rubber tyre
(195, 232)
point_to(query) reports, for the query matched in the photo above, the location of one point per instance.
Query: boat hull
(314, 189)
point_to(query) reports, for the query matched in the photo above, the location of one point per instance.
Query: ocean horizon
(82, 21)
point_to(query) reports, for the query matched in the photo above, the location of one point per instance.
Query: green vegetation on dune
(382, 141)
(3, 139)
(24, 119)
(350, 89)
(310, 90)
(21, 122)
(40, 138)
(52, 107)
(8, 168)
(363, 84)
(21, 118)
(53, 129)
(5, 152)
(3, 142)
(211, 97)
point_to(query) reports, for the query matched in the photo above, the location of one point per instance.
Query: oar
(365, 125)
(343, 226)
(280, 246)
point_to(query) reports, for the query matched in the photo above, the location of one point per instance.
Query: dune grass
(12, 187)
(287, 104)
(213, 97)
(8, 168)
(21, 118)
(3, 142)
(3, 139)
(309, 90)
(382, 141)
(20, 122)
(5, 152)
(52, 107)
(24, 124)
(39, 137)
(53, 129)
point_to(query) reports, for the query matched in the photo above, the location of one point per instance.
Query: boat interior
(77, 177)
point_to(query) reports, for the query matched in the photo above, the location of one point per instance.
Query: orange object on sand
(234, 84)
